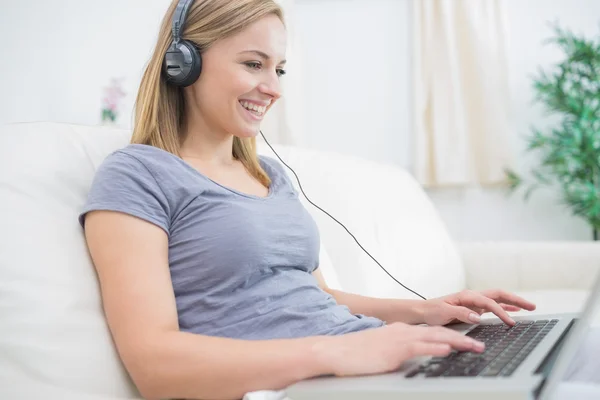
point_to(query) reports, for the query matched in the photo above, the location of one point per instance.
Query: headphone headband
(179, 18)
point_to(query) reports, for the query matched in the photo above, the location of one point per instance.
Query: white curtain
(284, 122)
(461, 92)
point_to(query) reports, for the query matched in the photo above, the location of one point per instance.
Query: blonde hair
(159, 107)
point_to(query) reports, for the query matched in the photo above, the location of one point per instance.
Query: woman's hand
(468, 305)
(381, 350)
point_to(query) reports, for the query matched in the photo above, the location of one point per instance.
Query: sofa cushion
(49, 292)
(389, 214)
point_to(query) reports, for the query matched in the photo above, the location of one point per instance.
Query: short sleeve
(123, 183)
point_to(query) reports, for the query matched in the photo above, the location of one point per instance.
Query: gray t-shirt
(240, 264)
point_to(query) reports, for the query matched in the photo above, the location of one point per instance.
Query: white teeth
(253, 107)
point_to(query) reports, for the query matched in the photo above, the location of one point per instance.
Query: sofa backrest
(51, 312)
(387, 211)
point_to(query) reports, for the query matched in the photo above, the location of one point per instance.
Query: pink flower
(113, 94)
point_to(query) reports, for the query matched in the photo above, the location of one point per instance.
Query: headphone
(182, 66)
(182, 63)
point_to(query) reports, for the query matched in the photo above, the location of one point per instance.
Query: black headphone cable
(342, 225)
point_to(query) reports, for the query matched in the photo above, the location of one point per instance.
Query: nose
(271, 86)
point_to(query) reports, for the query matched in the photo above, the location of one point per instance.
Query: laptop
(526, 361)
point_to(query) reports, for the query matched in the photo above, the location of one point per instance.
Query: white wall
(357, 56)
(57, 56)
(357, 76)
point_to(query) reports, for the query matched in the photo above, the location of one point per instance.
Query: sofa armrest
(526, 266)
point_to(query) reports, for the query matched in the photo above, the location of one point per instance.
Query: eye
(256, 65)
(253, 64)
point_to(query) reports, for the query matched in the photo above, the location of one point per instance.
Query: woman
(208, 262)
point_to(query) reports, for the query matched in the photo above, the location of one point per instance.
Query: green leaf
(514, 180)
(530, 191)
(541, 177)
(536, 140)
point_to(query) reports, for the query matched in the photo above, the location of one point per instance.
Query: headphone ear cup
(182, 64)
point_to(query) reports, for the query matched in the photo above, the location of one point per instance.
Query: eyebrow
(261, 54)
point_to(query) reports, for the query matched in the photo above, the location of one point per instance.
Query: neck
(210, 146)
(211, 149)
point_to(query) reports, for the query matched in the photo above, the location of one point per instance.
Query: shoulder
(274, 168)
(137, 171)
(125, 183)
(149, 156)
(271, 162)
(123, 164)
(278, 173)
(142, 161)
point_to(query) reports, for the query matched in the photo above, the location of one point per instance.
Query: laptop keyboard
(506, 348)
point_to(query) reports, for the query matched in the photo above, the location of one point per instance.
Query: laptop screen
(565, 360)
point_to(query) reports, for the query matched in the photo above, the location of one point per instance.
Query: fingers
(509, 307)
(466, 315)
(479, 300)
(472, 316)
(418, 349)
(455, 339)
(508, 299)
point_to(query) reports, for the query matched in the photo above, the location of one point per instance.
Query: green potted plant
(569, 152)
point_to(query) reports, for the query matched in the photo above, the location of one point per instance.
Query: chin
(246, 132)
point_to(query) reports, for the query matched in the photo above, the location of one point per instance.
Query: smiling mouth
(258, 111)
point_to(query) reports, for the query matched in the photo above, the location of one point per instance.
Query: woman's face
(240, 77)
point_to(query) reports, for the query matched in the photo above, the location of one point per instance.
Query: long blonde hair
(159, 107)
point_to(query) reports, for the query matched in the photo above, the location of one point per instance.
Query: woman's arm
(389, 310)
(131, 258)
(185, 365)
(466, 306)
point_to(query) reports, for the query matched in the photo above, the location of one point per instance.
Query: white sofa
(54, 342)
